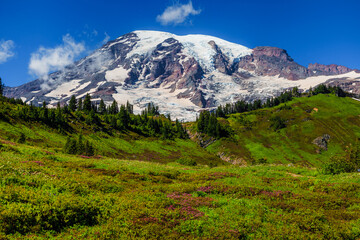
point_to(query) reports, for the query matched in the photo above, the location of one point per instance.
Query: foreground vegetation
(88, 172)
(45, 194)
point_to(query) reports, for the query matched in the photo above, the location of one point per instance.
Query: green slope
(47, 195)
(134, 189)
(253, 138)
(106, 141)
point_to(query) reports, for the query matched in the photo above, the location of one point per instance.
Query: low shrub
(22, 138)
(338, 165)
(342, 164)
(186, 162)
(277, 123)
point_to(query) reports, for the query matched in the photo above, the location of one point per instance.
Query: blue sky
(310, 30)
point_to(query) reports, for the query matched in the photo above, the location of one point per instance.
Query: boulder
(322, 142)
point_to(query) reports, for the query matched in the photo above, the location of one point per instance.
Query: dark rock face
(332, 69)
(198, 99)
(166, 68)
(275, 52)
(221, 61)
(272, 61)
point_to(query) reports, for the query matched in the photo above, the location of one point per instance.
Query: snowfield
(196, 46)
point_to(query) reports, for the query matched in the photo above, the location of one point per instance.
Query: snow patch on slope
(313, 81)
(168, 102)
(67, 89)
(117, 75)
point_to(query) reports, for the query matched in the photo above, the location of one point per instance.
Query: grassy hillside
(254, 137)
(125, 144)
(135, 187)
(45, 195)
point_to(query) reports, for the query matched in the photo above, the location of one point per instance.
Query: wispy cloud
(60, 59)
(177, 14)
(106, 39)
(46, 60)
(6, 50)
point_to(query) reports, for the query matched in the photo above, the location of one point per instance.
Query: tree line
(208, 122)
(99, 116)
(286, 96)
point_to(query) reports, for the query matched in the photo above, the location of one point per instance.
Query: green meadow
(306, 118)
(149, 187)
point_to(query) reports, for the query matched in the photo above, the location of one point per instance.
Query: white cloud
(177, 14)
(106, 39)
(46, 60)
(6, 50)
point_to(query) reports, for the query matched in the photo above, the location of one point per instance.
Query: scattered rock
(322, 142)
(199, 138)
(232, 159)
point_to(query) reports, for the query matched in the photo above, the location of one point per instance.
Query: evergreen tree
(268, 103)
(339, 92)
(166, 130)
(93, 118)
(52, 117)
(44, 112)
(102, 107)
(220, 112)
(124, 117)
(88, 149)
(257, 104)
(72, 103)
(295, 92)
(59, 114)
(151, 110)
(66, 109)
(113, 122)
(114, 108)
(80, 105)
(180, 131)
(80, 145)
(1, 88)
(70, 146)
(129, 108)
(211, 126)
(87, 103)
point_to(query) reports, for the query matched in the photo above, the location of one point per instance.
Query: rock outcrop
(333, 69)
(272, 61)
(322, 142)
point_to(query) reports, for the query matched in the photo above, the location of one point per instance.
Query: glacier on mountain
(181, 74)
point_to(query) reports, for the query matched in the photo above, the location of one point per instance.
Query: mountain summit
(181, 74)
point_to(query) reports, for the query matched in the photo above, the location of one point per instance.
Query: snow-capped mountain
(181, 74)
